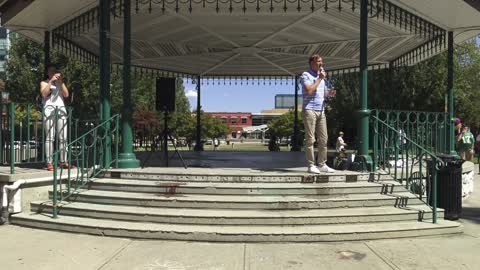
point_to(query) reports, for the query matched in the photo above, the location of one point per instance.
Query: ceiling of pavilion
(251, 37)
(209, 42)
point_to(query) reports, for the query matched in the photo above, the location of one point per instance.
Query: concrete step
(238, 175)
(239, 216)
(172, 188)
(239, 233)
(399, 199)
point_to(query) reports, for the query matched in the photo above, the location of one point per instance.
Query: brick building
(236, 120)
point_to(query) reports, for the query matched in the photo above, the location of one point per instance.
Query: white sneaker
(326, 169)
(313, 169)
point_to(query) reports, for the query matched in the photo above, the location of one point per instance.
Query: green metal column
(198, 145)
(105, 74)
(391, 78)
(296, 128)
(127, 158)
(363, 113)
(451, 101)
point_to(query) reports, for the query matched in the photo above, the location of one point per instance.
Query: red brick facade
(236, 120)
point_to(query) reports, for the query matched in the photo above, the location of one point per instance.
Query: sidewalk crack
(114, 255)
(390, 264)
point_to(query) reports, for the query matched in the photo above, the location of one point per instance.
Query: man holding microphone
(314, 94)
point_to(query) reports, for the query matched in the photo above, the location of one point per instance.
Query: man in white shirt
(314, 119)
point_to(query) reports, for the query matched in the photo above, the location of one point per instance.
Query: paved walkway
(226, 159)
(23, 248)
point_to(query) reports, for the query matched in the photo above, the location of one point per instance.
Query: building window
(244, 120)
(233, 120)
(224, 120)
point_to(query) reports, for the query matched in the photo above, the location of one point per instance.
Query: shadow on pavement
(471, 214)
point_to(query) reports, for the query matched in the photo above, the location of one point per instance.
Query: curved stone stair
(247, 208)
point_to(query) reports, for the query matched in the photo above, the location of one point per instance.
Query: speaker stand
(167, 136)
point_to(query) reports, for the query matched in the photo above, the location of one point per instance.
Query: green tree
(213, 127)
(24, 69)
(420, 87)
(283, 126)
(467, 83)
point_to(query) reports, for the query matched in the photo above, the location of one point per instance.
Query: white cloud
(191, 93)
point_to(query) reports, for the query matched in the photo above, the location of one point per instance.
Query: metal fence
(28, 132)
(407, 146)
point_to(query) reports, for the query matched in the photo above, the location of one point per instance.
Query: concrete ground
(229, 159)
(23, 248)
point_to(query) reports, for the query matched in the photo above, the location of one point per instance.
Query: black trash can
(449, 186)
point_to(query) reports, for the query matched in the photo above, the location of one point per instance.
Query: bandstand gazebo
(249, 39)
(217, 40)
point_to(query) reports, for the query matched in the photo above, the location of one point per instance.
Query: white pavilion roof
(252, 39)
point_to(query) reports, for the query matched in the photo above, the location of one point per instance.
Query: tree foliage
(283, 126)
(421, 87)
(25, 69)
(212, 127)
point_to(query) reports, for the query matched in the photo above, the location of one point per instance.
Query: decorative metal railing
(85, 158)
(412, 163)
(26, 129)
(27, 132)
(428, 129)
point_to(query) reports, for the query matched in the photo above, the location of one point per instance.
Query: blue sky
(237, 98)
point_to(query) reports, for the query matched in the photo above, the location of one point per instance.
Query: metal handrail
(23, 132)
(88, 152)
(22, 136)
(409, 140)
(429, 129)
(420, 153)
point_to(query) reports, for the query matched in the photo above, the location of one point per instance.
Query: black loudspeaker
(166, 94)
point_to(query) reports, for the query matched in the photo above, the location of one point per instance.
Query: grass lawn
(237, 147)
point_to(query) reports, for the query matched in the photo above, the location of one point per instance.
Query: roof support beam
(97, 44)
(324, 56)
(204, 28)
(175, 56)
(370, 43)
(337, 41)
(220, 64)
(392, 48)
(275, 65)
(288, 27)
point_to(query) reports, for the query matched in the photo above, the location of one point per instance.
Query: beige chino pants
(315, 124)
